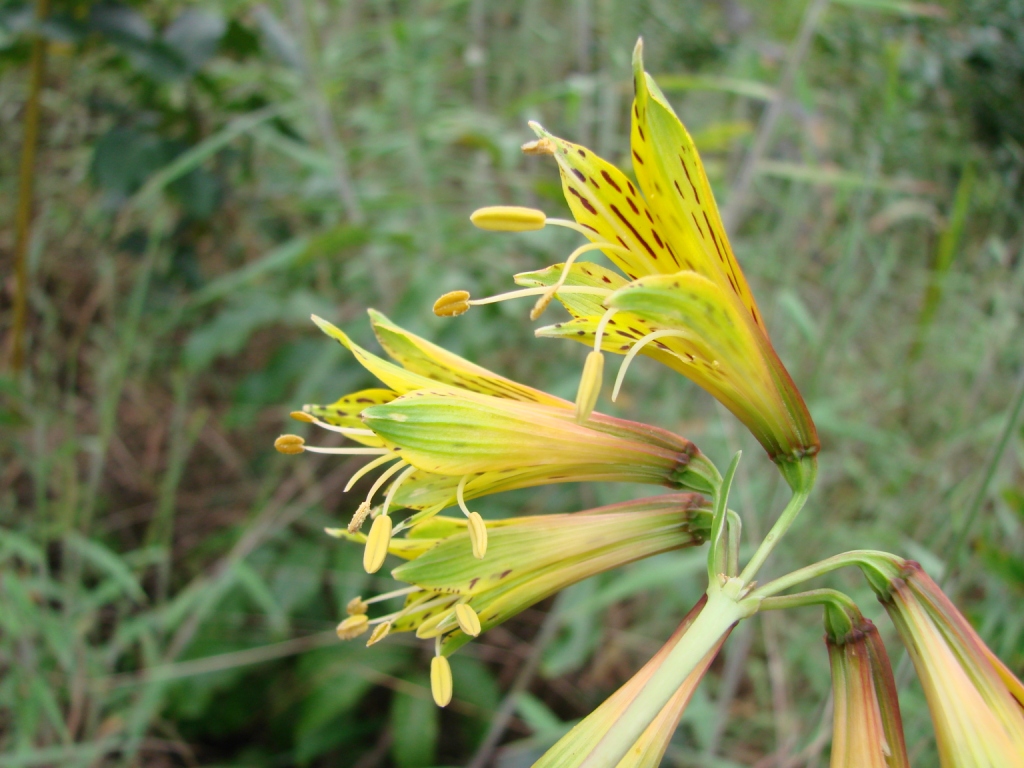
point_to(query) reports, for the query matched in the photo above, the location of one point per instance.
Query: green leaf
(414, 729)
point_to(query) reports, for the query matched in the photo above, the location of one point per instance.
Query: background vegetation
(209, 174)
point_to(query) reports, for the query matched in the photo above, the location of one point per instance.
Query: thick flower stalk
(593, 741)
(974, 700)
(452, 431)
(867, 727)
(686, 302)
(453, 596)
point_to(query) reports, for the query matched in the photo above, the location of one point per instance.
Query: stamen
(393, 488)
(346, 451)
(309, 418)
(389, 595)
(602, 324)
(290, 444)
(460, 495)
(377, 544)
(355, 606)
(387, 473)
(440, 677)
(477, 528)
(379, 633)
(549, 293)
(452, 304)
(353, 626)
(539, 291)
(590, 386)
(508, 218)
(469, 622)
(364, 469)
(359, 517)
(635, 349)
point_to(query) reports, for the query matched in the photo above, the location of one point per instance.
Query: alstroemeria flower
(590, 737)
(975, 701)
(867, 727)
(686, 302)
(453, 431)
(455, 596)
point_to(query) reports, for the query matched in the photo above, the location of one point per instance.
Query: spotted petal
(607, 204)
(673, 180)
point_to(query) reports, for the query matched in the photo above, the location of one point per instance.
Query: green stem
(717, 554)
(735, 537)
(789, 514)
(724, 608)
(868, 559)
(841, 614)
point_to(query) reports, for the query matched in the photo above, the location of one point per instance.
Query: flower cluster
(444, 432)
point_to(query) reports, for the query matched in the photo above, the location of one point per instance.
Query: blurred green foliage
(210, 174)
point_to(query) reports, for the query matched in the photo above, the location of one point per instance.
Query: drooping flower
(589, 739)
(867, 728)
(974, 700)
(453, 596)
(686, 302)
(453, 431)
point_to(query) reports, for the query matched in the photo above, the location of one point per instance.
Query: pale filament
(540, 290)
(635, 349)
(414, 607)
(599, 332)
(347, 451)
(393, 488)
(343, 430)
(549, 294)
(387, 473)
(459, 495)
(368, 467)
(389, 595)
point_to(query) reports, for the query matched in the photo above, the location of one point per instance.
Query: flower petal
(605, 202)
(672, 178)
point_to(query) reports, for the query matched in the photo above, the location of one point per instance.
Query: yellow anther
(452, 304)
(508, 218)
(469, 622)
(289, 444)
(302, 416)
(436, 625)
(441, 681)
(590, 386)
(377, 544)
(353, 626)
(359, 517)
(543, 146)
(477, 535)
(379, 633)
(356, 606)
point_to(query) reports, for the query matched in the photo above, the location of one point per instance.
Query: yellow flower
(867, 727)
(453, 431)
(686, 302)
(975, 701)
(455, 596)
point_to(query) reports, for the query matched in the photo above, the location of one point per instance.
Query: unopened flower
(590, 738)
(455, 596)
(975, 701)
(867, 727)
(686, 302)
(452, 431)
